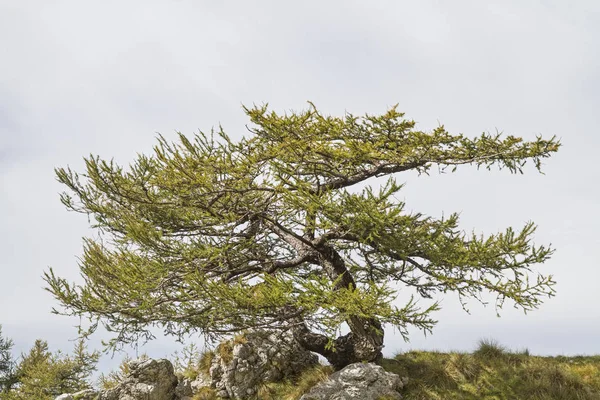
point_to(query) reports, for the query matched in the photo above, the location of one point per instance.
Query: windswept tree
(288, 229)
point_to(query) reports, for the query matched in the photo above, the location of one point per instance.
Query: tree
(44, 375)
(215, 236)
(8, 377)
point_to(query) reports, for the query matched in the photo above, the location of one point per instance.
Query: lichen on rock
(242, 365)
(358, 381)
(148, 380)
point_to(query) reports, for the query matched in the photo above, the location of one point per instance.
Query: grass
(225, 348)
(492, 372)
(111, 380)
(291, 389)
(206, 394)
(294, 389)
(205, 361)
(489, 349)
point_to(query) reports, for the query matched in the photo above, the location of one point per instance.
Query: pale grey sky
(81, 77)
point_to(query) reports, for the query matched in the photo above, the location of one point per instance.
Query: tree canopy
(8, 376)
(287, 228)
(42, 375)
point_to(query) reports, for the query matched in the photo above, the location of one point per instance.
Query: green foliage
(211, 235)
(8, 375)
(45, 375)
(461, 376)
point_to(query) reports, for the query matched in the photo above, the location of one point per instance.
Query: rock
(187, 388)
(148, 380)
(88, 394)
(184, 389)
(358, 381)
(241, 365)
(200, 382)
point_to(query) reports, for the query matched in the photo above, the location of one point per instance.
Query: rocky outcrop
(243, 364)
(358, 382)
(88, 394)
(237, 370)
(184, 389)
(148, 380)
(187, 388)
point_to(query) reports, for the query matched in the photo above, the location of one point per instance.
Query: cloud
(80, 77)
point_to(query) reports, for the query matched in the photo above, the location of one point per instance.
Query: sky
(89, 77)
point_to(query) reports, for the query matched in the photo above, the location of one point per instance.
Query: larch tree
(8, 375)
(287, 229)
(43, 375)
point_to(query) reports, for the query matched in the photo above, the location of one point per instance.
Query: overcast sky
(81, 77)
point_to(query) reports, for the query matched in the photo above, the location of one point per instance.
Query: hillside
(489, 373)
(492, 372)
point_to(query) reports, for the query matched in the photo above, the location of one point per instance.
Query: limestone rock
(148, 380)
(239, 368)
(200, 382)
(359, 381)
(88, 394)
(184, 389)
(187, 388)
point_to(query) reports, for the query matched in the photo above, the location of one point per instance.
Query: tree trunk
(365, 340)
(347, 349)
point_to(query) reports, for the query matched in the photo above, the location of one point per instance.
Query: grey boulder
(88, 394)
(148, 380)
(359, 381)
(257, 357)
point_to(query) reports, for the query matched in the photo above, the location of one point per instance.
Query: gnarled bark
(365, 339)
(347, 349)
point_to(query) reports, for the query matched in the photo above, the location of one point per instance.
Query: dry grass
(295, 388)
(288, 390)
(113, 378)
(206, 393)
(205, 361)
(225, 348)
(492, 372)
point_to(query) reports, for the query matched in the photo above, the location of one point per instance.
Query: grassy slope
(489, 373)
(492, 373)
